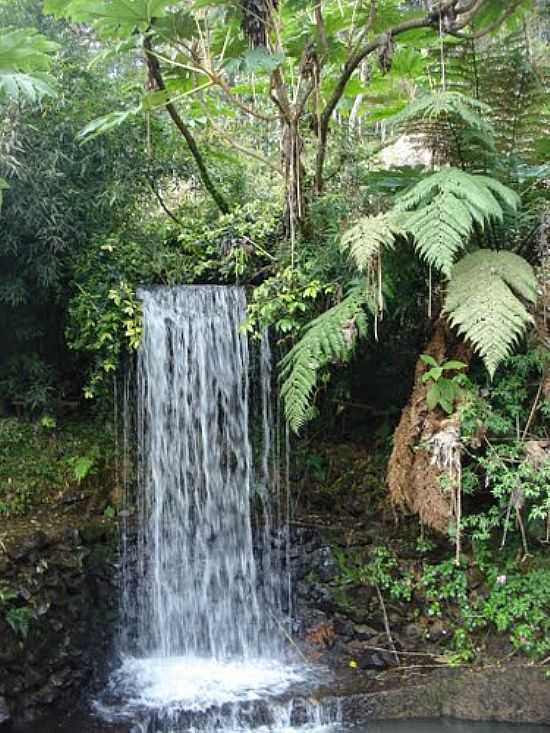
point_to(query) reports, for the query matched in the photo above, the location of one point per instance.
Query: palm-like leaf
(445, 208)
(451, 105)
(368, 236)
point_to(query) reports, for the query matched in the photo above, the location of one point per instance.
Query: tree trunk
(414, 478)
(295, 214)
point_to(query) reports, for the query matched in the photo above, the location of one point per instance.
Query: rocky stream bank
(386, 659)
(58, 607)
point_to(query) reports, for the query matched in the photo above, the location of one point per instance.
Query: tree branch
(320, 23)
(246, 151)
(156, 78)
(490, 28)
(428, 21)
(162, 204)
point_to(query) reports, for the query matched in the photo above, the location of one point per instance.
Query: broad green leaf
(427, 359)
(432, 396)
(25, 57)
(104, 124)
(259, 59)
(454, 364)
(111, 18)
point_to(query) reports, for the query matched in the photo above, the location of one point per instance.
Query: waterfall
(204, 569)
(197, 590)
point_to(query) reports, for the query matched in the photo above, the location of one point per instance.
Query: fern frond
(482, 302)
(368, 236)
(446, 206)
(328, 338)
(441, 230)
(451, 105)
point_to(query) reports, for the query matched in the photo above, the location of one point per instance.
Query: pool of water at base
(87, 724)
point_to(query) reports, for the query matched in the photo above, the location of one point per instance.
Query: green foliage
(482, 302)
(25, 58)
(82, 466)
(451, 105)
(446, 207)
(519, 603)
(104, 315)
(442, 391)
(508, 469)
(283, 301)
(366, 239)
(63, 198)
(28, 382)
(381, 570)
(501, 425)
(37, 462)
(112, 18)
(328, 339)
(515, 600)
(104, 321)
(105, 123)
(441, 213)
(444, 584)
(19, 618)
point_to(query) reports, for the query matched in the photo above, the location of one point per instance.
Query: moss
(41, 463)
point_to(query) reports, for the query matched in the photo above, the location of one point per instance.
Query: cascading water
(197, 590)
(203, 595)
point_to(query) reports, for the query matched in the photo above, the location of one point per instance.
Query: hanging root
(446, 449)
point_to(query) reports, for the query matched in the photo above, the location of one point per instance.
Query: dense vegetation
(375, 171)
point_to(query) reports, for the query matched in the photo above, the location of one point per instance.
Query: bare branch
(490, 28)
(162, 203)
(158, 82)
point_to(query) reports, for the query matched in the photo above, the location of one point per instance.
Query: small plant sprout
(442, 391)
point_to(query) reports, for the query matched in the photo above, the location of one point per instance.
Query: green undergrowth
(487, 595)
(40, 461)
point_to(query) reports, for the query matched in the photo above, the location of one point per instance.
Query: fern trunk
(414, 481)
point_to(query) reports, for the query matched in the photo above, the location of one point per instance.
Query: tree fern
(451, 105)
(482, 302)
(328, 338)
(445, 208)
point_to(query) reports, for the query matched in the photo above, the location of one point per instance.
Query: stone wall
(341, 624)
(58, 608)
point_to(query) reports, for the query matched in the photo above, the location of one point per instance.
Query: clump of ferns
(487, 292)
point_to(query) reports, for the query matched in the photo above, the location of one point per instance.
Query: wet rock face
(58, 608)
(339, 625)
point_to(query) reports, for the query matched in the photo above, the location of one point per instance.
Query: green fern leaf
(368, 236)
(450, 105)
(328, 338)
(445, 206)
(483, 302)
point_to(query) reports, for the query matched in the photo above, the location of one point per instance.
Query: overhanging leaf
(484, 302)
